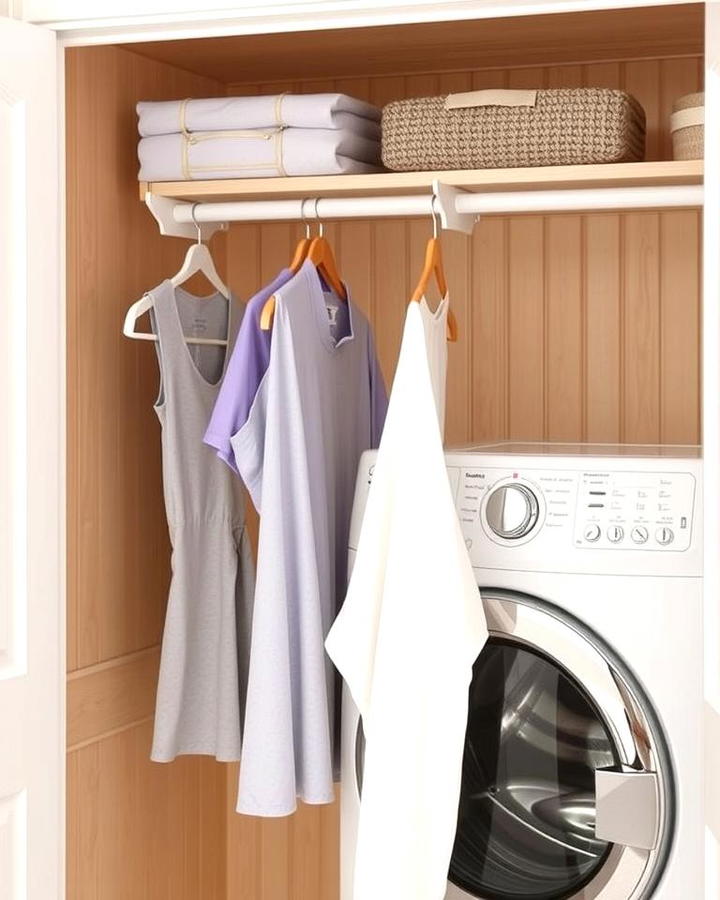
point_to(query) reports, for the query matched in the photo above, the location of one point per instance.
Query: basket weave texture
(688, 143)
(565, 127)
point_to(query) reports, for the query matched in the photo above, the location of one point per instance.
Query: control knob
(512, 511)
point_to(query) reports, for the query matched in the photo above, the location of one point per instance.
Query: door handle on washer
(627, 807)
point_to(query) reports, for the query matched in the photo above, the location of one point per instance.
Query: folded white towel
(334, 111)
(249, 154)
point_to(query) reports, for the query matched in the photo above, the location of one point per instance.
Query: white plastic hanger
(197, 259)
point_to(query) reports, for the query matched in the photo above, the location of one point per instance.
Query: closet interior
(571, 327)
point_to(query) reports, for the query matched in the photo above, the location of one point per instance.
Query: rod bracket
(451, 219)
(162, 209)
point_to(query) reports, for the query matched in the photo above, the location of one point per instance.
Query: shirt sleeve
(246, 369)
(248, 444)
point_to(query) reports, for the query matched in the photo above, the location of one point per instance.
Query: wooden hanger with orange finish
(319, 253)
(321, 256)
(433, 268)
(301, 252)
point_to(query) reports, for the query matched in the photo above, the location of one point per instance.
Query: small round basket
(687, 124)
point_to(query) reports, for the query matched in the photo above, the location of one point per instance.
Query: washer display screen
(526, 822)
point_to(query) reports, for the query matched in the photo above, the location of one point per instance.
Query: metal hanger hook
(195, 221)
(321, 227)
(302, 216)
(436, 230)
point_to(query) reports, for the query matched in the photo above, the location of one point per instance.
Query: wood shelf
(644, 174)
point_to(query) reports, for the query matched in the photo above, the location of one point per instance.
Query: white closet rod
(466, 204)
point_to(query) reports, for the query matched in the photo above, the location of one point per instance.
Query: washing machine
(582, 771)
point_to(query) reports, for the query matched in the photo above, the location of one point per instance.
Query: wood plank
(644, 174)
(243, 862)
(111, 695)
(680, 314)
(330, 848)
(490, 322)
(143, 830)
(565, 310)
(526, 301)
(641, 329)
(275, 859)
(602, 363)
(306, 874)
(642, 80)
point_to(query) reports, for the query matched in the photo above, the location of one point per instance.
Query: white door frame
(32, 472)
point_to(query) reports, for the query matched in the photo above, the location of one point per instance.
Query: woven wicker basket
(561, 127)
(687, 126)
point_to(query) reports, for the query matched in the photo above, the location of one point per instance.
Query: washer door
(567, 786)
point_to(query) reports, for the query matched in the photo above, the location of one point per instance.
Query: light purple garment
(321, 403)
(245, 371)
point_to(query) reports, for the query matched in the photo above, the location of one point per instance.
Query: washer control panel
(635, 510)
(618, 510)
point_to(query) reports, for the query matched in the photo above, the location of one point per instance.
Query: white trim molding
(711, 448)
(82, 22)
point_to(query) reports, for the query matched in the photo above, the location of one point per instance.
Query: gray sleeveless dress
(205, 648)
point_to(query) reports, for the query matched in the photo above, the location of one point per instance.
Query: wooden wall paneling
(641, 329)
(275, 858)
(330, 849)
(391, 284)
(642, 80)
(391, 276)
(353, 87)
(607, 75)
(680, 327)
(243, 848)
(116, 521)
(530, 78)
(306, 853)
(489, 78)
(143, 831)
(603, 328)
(564, 331)
(135, 829)
(527, 323)
(565, 76)
(386, 89)
(111, 696)
(84, 853)
(571, 327)
(490, 332)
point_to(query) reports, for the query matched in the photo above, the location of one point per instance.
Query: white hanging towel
(407, 636)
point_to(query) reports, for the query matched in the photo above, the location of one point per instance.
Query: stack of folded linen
(257, 137)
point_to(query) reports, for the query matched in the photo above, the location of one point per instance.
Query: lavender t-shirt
(321, 403)
(245, 371)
